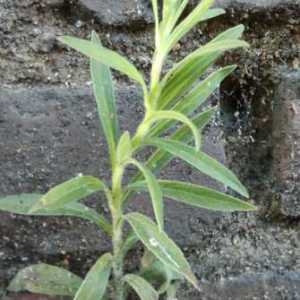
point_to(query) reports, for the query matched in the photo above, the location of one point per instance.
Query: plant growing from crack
(169, 100)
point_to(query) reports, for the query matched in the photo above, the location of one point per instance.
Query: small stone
(78, 23)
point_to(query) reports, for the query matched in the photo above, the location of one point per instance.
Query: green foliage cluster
(169, 100)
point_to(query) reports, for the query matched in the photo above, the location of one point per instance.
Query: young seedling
(169, 100)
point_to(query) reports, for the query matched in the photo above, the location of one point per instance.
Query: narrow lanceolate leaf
(232, 33)
(198, 196)
(70, 191)
(184, 66)
(143, 288)
(189, 22)
(22, 204)
(95, 282)
(200, 120)
(196, 97)
(169, 114)
(124, 150)
(174, 15)
(169, 8)
(46, 279)
(213, 46)
(161, 245)
(155, 193)
(104, 56)
(212, 13)
(155, 12)
(180, 80)
(159, 159)
(105, 99)
(200, 161)
(176, 86)
(203, 90)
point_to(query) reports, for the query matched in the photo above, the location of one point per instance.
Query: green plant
(168, 100)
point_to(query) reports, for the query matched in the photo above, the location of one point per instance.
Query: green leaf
(169, 23)
(169, 8)
(155, 193)
(45, 279)
(203, 90)
(169, 114)
(70, 191)
(157, 22)
(105, 99)
(155, 11)
(232, 33)
(212, 13)
(196, 97)
(22, 204)
(200, 120)
(213, 46)
(124, 150)
(159, 159)
(200, 161)
(176, 84)
(189, 22)
(182, 76)
(143, 288)
(161, 245)
(95, 282)
(198, 196)
(104, 56)
(19, 204)
(172, 11)
(179, 80)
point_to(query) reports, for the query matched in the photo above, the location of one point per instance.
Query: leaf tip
(194, 281)
(245, 44)
(241, 27)
(252, 207)
(245, 192)
(95, 38)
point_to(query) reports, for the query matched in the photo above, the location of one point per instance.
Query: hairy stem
(117, 239)
(118, 257)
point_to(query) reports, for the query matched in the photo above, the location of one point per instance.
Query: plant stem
(117, 239)
(118, 257)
